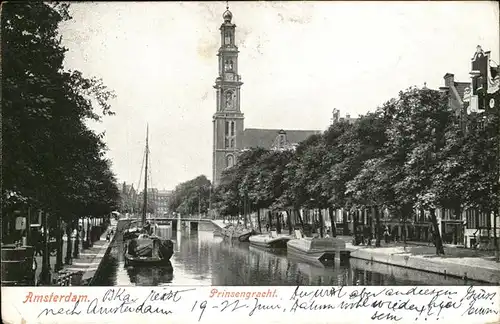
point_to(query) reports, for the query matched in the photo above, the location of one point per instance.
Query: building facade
(467, 227)
(229, 134)
(128, 198)
(162, 203)
(483, 96)
(336, 117)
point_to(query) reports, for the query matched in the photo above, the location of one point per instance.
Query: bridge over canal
(191, 222)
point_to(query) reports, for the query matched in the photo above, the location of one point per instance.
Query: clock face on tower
(229, 77)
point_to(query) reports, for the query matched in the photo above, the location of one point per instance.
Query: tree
(371, 174)
(415, 136)
(48, 150)
(192, 196)
(42, 104)
(226, 195)
(269, 184)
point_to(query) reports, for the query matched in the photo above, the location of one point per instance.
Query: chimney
(335, 115)
(449, 80)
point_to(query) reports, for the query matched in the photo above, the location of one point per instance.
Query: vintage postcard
(314, 162)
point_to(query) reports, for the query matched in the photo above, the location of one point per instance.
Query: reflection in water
(202, 259)
(150, 276)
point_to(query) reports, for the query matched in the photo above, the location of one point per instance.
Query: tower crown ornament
(227, 15)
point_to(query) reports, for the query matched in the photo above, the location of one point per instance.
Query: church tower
(228, 118)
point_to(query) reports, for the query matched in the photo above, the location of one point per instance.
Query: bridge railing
(185, 217)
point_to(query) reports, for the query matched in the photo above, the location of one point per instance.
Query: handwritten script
(375, 303)
(121, 300)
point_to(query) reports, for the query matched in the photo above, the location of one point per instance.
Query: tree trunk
(76, 252)
(332, 222)
(321, 223)
(278, 223)
(289, 221)
(297, 212)
(458, 215)
(87, 232)
(378, 235)
(45, 274)
(69, 243)
(245, 210)
(355, 226)
(313, 222)
(270, 220)
(59, 244)
(28, 228)
(437, 233)
(344, 221)
(403, 231)
(488, 225)
(495, 238)
(258, 219)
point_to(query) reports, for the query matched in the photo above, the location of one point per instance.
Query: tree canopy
(51, 159)
(191, 197)
(411, 153)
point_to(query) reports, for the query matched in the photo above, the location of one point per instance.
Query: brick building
(470, 226)
(128, 198)
(162, 202)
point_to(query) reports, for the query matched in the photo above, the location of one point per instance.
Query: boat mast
(144, 211)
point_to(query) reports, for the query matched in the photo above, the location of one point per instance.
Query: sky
(298, 61)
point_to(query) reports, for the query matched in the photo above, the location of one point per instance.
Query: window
(229, 99)
(470, 219)
(282, 141)
(232, 143)
(229, 161)
(484, 220)
(227, 128)
(232, 128)
(227, 38)
(226, 142)
(228, 65)
(477, 220)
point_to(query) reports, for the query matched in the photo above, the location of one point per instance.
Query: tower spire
(227, 14)
(228, 118)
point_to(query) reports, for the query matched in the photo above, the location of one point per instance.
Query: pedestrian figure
(108, 236)
(393, 234)
(366, 235)
(386, 235)
(267, 227)
(38, 243)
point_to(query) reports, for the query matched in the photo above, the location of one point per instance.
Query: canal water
(202, 259)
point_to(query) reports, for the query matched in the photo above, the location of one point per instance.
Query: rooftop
(261, 137)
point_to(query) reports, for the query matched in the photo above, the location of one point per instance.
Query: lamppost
(199, 202)
(210, 213)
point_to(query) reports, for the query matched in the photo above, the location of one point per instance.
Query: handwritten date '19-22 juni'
(394, 304)
(381, 300)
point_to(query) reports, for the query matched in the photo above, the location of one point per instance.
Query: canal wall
(207, 226)
(101, 256)
(370, 270)
(476, 269)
